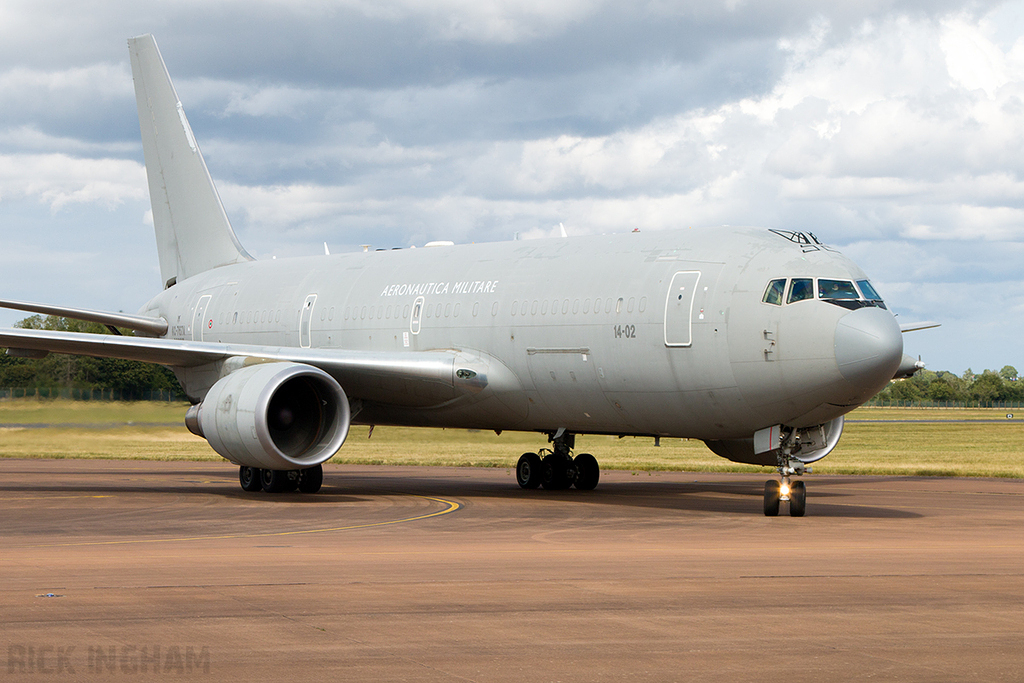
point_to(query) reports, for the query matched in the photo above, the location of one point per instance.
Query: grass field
(155, 431)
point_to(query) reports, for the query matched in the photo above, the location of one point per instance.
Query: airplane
(756, 341)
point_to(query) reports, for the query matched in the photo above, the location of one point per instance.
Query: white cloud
(890, 122)
(60, 180)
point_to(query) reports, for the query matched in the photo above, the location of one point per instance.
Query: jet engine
(274, 416)
(810, 444)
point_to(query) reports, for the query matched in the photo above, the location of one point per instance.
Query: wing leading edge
(410, 378)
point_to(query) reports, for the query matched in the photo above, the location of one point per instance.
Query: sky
(892, 129)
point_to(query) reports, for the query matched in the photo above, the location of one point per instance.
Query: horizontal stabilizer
(914, 327)
(153, 326)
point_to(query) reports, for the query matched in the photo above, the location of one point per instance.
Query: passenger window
(836, 289)
(800, 289)
(773, 294)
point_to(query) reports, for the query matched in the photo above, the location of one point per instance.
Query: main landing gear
(792, 491)
(275, 481)
(556, 469)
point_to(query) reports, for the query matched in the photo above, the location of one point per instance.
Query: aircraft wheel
(274, 481)
(529, 470)
(311, 479)
(588, 472)
(249, 478)
(772, 493)
(797, 499)
(559, 472)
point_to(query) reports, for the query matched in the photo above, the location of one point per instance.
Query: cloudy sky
(893, 129)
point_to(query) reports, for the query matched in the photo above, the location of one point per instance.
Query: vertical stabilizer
(192, 231)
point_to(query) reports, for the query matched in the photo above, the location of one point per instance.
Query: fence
(879, 403)
(91, 394)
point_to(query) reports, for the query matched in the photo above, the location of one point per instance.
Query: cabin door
(305, 320)
(679, 308)
(200, 323)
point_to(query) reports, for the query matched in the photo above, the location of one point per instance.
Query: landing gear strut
(556, 469)
(793, 492)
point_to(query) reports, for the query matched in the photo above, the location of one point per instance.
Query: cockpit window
(801, 289)
(836, 289)
(868, 291)
(773, 295)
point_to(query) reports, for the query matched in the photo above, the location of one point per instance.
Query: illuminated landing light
(784, 491)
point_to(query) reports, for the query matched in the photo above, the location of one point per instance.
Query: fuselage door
(417, 315)
(305, 319)
(679, 308)
(199, 320)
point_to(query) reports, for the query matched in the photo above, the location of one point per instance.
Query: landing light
(784, 490)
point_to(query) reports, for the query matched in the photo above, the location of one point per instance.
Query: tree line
(58, 371)
(941, 386)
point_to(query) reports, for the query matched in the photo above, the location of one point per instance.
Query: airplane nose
(869, 348)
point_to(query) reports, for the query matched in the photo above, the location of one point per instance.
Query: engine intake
(276, 416)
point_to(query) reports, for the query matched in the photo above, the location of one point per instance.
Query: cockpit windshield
(800, 289)
(868, 291)
(839, 292)
(773, 294)
(836, 289)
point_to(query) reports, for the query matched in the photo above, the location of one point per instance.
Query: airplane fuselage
(659, 333)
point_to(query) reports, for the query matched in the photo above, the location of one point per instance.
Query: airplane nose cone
(869, 348)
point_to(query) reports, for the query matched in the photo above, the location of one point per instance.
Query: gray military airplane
(755, 341)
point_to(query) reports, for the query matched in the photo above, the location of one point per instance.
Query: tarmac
(163, 570)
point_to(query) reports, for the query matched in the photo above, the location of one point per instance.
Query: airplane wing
(420, 365)
(139, 323)
(914, 327)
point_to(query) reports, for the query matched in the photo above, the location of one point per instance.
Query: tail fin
(193, 234)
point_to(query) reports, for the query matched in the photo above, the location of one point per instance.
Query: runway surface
(154, 570)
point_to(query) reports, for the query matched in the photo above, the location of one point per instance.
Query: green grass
(908, 448)
(64, 411)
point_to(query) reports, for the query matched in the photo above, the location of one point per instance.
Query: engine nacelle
(275, 416)
(815, 443)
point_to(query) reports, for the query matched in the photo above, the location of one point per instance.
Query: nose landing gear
(793, 492)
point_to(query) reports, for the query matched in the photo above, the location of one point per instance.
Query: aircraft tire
(274, 481)
(588, 472)
(558, 473)
(772, 494)
(529, 471)
(797, 499)
(249, 478)
(311, 479)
